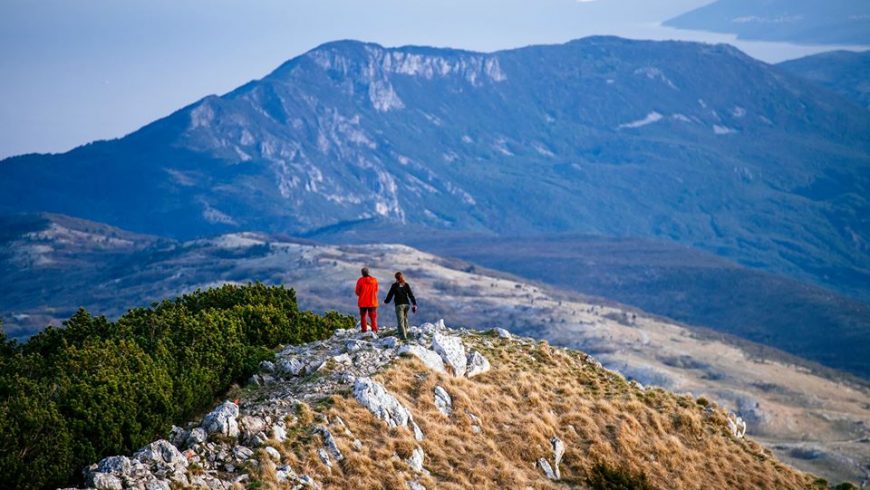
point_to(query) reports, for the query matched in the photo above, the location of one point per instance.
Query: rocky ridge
(239, 441)
(219, 452)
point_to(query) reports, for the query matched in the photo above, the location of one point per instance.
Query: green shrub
(72, 395)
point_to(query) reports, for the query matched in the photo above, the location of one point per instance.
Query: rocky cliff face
(447, 409)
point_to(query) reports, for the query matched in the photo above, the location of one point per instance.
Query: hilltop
(450, 409)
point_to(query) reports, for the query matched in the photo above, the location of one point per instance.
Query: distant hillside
(844, 72)
(687, 142)
(797, 21)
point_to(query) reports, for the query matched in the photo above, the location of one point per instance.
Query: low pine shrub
(70, 396)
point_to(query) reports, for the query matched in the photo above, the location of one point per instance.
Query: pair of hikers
(367, 294)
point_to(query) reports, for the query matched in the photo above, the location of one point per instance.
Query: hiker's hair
(400, 278)
(365, 272)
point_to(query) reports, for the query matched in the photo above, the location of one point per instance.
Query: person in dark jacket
(401, 290)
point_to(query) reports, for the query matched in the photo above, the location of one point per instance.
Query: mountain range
(797, 21)
(697, 144)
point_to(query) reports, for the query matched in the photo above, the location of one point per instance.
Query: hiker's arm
(390, 294)
(411, 295)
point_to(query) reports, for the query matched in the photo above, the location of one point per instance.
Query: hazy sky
(78, 70)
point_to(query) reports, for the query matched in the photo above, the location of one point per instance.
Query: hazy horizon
(76, 73)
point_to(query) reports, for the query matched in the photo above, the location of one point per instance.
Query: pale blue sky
(78, 70)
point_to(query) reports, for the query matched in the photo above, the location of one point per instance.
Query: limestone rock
(416, 459)
(161, 454)
(273, 453)
(477, 364)
(389, 342)
(385, 406)
(430, 358)
(115, 465)
(279, 433)
(329, 443)
(558, 452)
(452, 351)
(267, 366)
(197, 435)
(443, 401)
(223, 420)
(293, 367)
(103, 481)
(502, 333)
(737, 426)
(547, 469)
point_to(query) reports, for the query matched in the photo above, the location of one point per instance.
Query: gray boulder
(477, 364)
(197, 435)
(547, 469)
(385, 406)
(452, 351)
(103, 481)
(430, 358)
(416, 459)
(330, 444)
(443, 401)
(293, 367)
(223, 420)
(558, 452)
(161, 454)
(502, 333)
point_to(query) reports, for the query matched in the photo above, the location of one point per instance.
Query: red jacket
(367, 290)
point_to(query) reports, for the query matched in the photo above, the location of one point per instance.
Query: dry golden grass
(532, 393)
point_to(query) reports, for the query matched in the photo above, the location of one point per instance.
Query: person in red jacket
(367, 294)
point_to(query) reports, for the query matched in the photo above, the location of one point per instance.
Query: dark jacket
(402, 293)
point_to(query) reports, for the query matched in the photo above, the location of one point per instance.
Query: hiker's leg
(373, 313)
(362, 319)
(402, 321)
(405, 324)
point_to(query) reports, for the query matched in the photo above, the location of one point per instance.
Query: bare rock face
(223, 420)
(452, 351)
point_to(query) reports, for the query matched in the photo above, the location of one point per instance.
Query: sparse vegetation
(73, 395)
(617, 435)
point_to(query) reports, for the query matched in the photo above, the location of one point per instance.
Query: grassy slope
(535, 392)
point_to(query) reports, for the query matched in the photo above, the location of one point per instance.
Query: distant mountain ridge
(798, 21)
(844, 72)
(694, 143)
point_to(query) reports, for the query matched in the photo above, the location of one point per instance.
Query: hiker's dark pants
(373, 315)
(402, 320)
